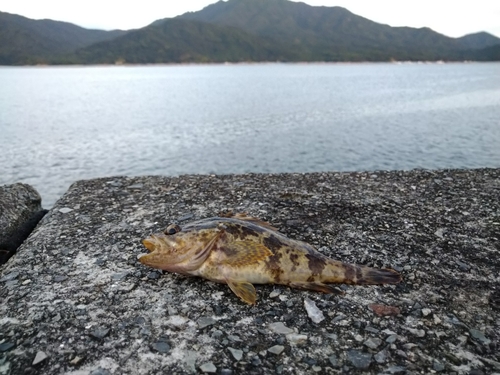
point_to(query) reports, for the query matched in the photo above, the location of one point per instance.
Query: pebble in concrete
(237, 353)
(478, 335)
(39, 358)
(295, 338)
(372, 343)
(313, 312)
(276, 349)
(161, 346)
(359, 359)
(208, 367)
(381, 357)
(205, 321)
(5, 346)
(279, 327)
(99, 332)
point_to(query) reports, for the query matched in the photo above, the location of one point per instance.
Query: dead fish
(240, 251)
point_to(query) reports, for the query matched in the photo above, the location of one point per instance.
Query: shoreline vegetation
(238, 31)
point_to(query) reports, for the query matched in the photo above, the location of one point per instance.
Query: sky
(453, 19)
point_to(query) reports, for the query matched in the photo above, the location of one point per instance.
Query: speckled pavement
(75, 300)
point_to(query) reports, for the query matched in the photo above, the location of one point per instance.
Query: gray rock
(274, 293)
(381, 356)
(478, 335)
(438, 366)
(314, 313)
(463, 266)
(76, 361)
(276, 349)
(152, 275)
(20, 212)
(99, 332)
(189, 357)
(359, 359)
(39, 358)
(372, 330)
(205, 321)
(5, 346)
(161, 346)
(279, 327)
(236, 353)
(4, 366)
(416, 332)
(372, 343)
(334, 361)
(10, 276)
(208, 367)
(426, 312)
(296, 339)
(391, 339)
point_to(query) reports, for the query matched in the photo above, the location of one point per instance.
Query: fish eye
(172, 229)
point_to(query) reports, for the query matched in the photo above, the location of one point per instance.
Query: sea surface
(62, 124)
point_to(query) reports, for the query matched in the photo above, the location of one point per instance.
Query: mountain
(487, 54)
(238, 30)
(330, 33)
(478, 40)
(27, 41)
(179, 40)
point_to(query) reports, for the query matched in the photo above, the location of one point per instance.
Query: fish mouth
(150, 243)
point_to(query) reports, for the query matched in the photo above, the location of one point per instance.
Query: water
(61, 124)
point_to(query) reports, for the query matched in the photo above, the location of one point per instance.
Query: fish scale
(240, 251)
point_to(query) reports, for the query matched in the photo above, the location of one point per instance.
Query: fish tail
(338, 272)
(374, 276)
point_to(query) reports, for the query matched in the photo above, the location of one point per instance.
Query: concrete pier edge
(75, 300)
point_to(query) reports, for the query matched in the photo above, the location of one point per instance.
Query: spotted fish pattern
(240, 251)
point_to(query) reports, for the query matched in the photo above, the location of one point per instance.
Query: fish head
(178, 251)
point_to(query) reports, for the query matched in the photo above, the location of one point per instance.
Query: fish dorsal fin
(243, 216)
(244, 253)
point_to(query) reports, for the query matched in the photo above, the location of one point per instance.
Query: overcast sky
(450, 18)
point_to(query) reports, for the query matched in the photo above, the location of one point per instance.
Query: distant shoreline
(255, 63)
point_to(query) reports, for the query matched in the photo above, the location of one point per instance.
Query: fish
(240, 251)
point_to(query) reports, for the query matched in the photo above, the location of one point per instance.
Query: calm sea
(61, 124)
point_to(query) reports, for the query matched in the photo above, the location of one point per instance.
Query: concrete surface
(75, 300)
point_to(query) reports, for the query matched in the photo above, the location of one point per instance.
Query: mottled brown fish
(241, 251)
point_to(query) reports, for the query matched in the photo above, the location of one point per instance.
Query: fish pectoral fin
(243, 253)
(244, 290)
(317, 287)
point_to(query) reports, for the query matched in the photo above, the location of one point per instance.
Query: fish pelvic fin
(244, 290)
(317, 287)
(243, 253)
